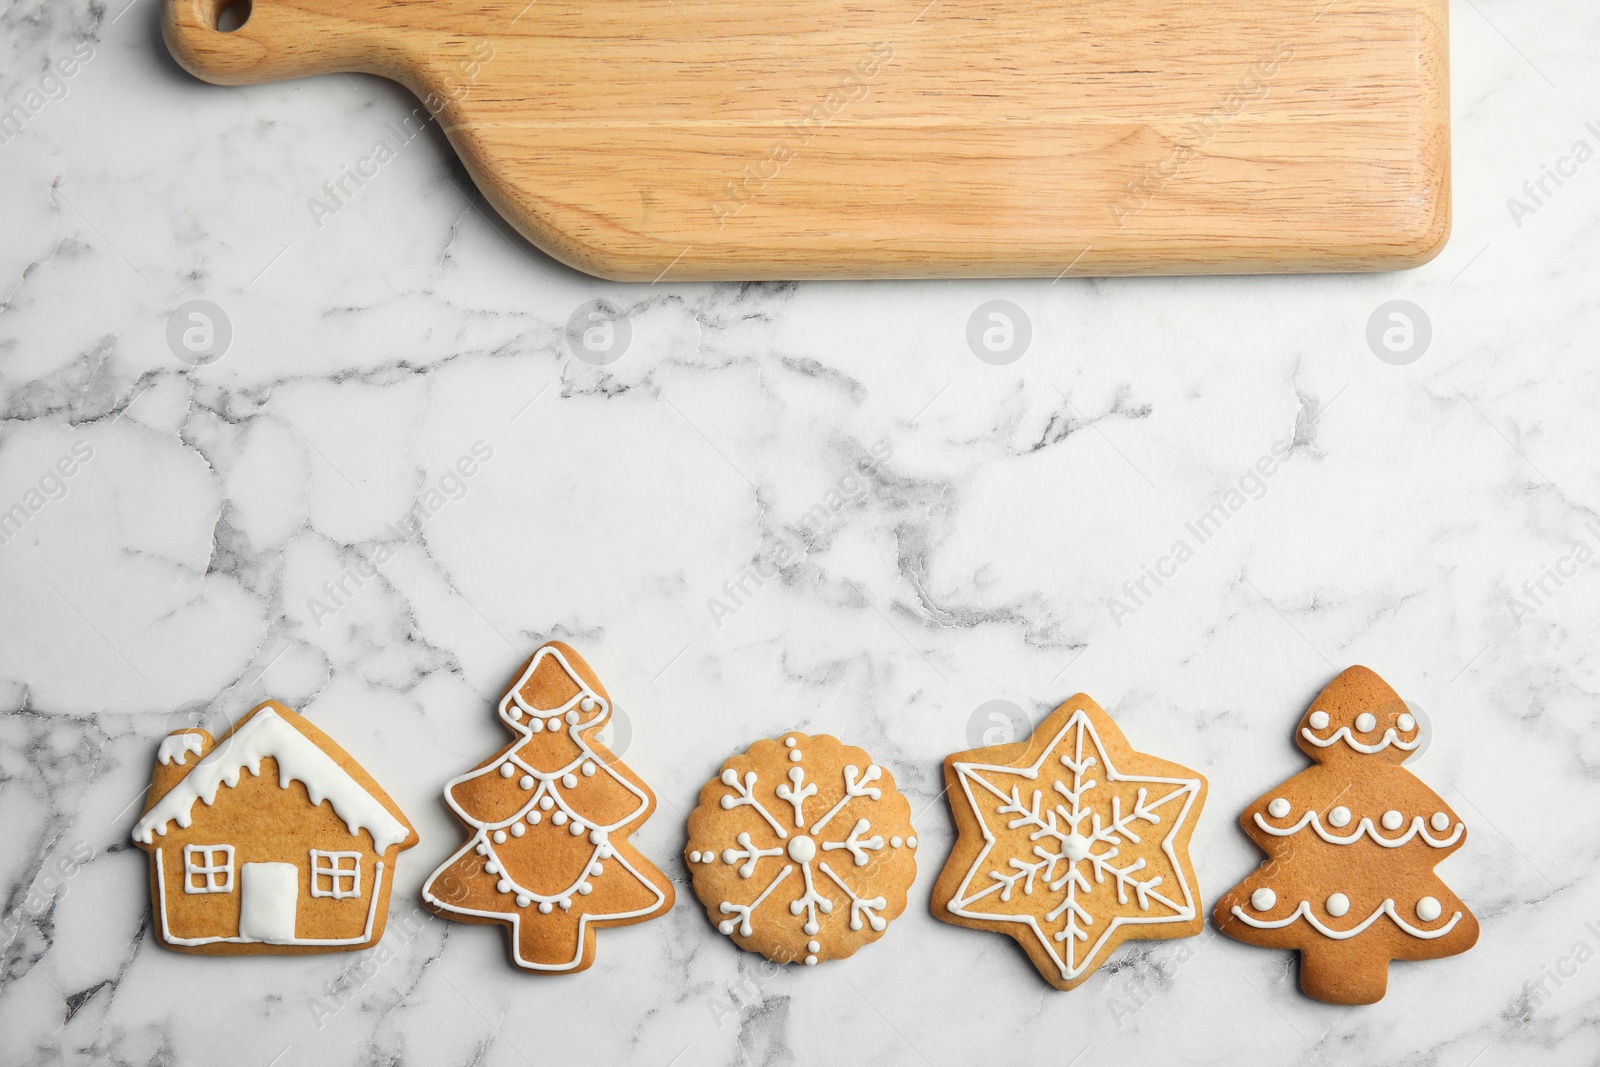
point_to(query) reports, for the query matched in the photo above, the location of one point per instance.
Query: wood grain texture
(785, 139)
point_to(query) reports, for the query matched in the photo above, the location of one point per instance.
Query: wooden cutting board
(779, 139)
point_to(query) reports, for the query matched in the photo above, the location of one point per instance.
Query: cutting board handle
(279, 39)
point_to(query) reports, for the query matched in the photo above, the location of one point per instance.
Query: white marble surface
(369, 354)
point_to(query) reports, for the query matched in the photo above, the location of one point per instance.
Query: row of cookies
(802, 848)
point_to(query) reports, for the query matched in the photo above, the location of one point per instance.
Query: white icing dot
(587, 703)
(555, 726)
(483, 848)
(790, 742)
(811, 961)
(796, 756)
(515, 713)
(504, 885)
(813, 946)
(588, 768)
(694, 857)
(566, 903)
(585, 888)
(1075, 847)
(911, 842)
(1319, 720)
(491, 867)
(517, 829)
(1428, 909)
(1279, 808)
(577, 829)
(1392, 820)
(727, 802)
(507, 770)
(536, 726)
(1339, 816)
(499, 837)
(730, 777)
(727, 926)
(598, 837)
(896, 841)
(811, 927)
(533, 818)
(1440, 821)
(526, 781)
(706, 857)
(1406, 723)
(597, 869)
(1366, 722)
(547, 803)
(559, 818)
(1337, 905)
(802, 849)
(523, 900)
(545, 907)
(1263, 899)
(572, 716)
(569, 780)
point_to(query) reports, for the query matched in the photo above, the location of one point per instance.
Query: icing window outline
(200, 861)
(336, 873)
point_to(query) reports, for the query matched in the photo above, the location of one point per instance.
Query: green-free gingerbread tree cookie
(1351, 845)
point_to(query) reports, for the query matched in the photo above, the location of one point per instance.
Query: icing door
(268, 893)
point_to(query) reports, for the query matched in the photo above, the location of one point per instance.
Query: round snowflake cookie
(802, 849)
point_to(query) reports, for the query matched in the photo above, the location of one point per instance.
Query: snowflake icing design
(1076, 828)
(824, 849)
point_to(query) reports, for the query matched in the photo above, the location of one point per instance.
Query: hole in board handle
(230, 15)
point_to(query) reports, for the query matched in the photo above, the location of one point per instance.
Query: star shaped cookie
(1071, 842)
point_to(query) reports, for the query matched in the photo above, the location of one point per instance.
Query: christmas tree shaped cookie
(1351, 845)
(1071, 842)
(549, 855)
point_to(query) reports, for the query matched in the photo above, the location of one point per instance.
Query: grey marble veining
(1437, 521)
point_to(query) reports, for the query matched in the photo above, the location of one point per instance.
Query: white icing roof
(299, 759)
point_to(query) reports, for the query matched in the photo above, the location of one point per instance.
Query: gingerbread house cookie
(271, 841)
